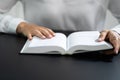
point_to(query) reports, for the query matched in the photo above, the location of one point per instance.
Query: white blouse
(74, 15)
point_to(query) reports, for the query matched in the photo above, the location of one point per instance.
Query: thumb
(103, 35)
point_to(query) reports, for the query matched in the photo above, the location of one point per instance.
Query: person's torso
(66, 14)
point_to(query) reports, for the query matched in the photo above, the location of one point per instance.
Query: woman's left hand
(113, 37)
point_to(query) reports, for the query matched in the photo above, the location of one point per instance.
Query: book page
(58, 40)
(87, 40)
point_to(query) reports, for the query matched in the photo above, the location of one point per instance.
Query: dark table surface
(89, 66)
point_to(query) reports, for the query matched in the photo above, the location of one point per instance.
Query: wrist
(21, 27)
(116, 32)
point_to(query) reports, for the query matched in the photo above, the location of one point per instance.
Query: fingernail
(99, 39)
(53, 34)
(50, 36)
(30, 38)
(116, 51)
(43, 37)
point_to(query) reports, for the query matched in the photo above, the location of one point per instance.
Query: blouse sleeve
(114, 7)
(8, 24)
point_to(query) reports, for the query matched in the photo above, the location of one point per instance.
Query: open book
(76, 42)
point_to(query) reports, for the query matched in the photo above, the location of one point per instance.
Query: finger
(39, 34)
(103, 35)
(51, 32)
(46, 33)
(116, 50)
(29, 36)
(115, 42)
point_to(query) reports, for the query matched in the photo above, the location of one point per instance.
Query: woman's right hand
(30, 30)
